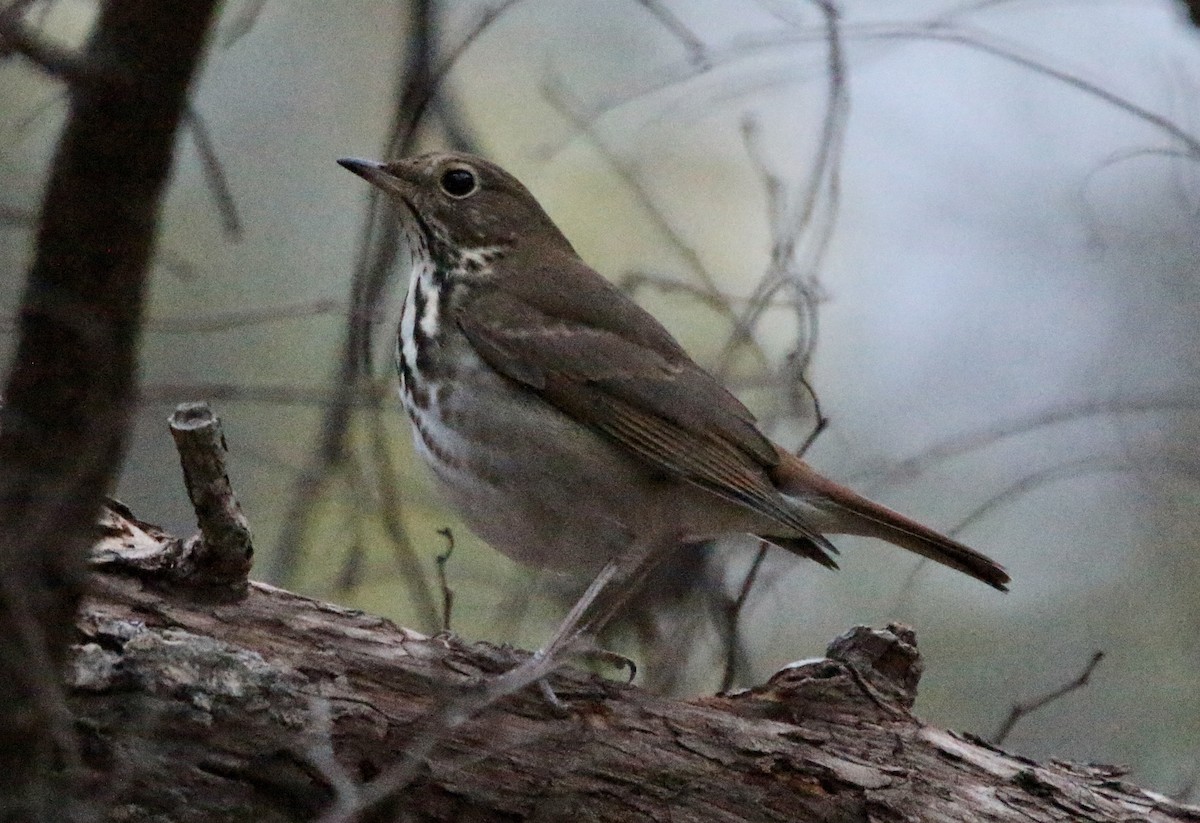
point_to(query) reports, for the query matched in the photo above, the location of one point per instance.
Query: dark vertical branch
(72, 385)
(377, 257)
(416, 87)
(1192, 8)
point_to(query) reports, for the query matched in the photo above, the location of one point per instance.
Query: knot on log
(867, 673)
(887, 659)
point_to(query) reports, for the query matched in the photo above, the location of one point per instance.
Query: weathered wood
(199, 712)
(218, 558)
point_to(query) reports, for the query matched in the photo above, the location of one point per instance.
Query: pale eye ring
(459, 182)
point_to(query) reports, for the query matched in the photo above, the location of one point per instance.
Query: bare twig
(1020, 710)
(63, 63)
(387, 492)
(734, 612)
(219, 557)
(988, 43)
(447, 593)
(697, 51)
(214, 174)
(379, 247)
(822, 422)
(734, 615)
(1092, 464)
(819, 198)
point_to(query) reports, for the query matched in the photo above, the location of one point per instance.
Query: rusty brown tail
(851, 513)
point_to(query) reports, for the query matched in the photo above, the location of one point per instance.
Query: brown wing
(598, 357)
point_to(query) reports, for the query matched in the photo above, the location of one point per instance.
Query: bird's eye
(459, 182)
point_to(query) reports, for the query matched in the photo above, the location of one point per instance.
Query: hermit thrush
(563, 420)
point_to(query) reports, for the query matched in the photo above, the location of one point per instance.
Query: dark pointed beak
(379, 175)
(366, 169)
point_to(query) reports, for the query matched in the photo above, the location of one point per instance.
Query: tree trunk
(72, 385)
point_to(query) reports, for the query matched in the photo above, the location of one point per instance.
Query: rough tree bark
(273, 707)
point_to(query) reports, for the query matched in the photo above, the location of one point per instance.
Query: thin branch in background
(1193, 11)
(1071, 469)
(516, 598)
(389, 510)
(241, 318)
(821, 421)
(946, 29)
(242, 23)
(443, 560)
(1177, 156)
(377, 250)
(416, 86)
(40, 109)
(357, 494)
(1150, 403)
(734, 658)
(990, 44)
(632, 282)
(1094, 464)
(354, 559)
(674, 614)
(1020, 710)
(783, 11)
(176, 265)
(942, 28)
(59, 62)
(213, 172)
(733, 654)
(355, 515)
(458, 133)
(813, 219)
(375, 395)
(789, 225)
(709, 293)
(789, 228)
(1015, 490)
(696, 50)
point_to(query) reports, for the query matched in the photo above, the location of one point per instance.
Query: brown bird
(565, 423)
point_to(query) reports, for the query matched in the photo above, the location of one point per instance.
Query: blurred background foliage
(969, 227)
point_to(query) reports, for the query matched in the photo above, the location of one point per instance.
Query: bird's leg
(604, 597)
